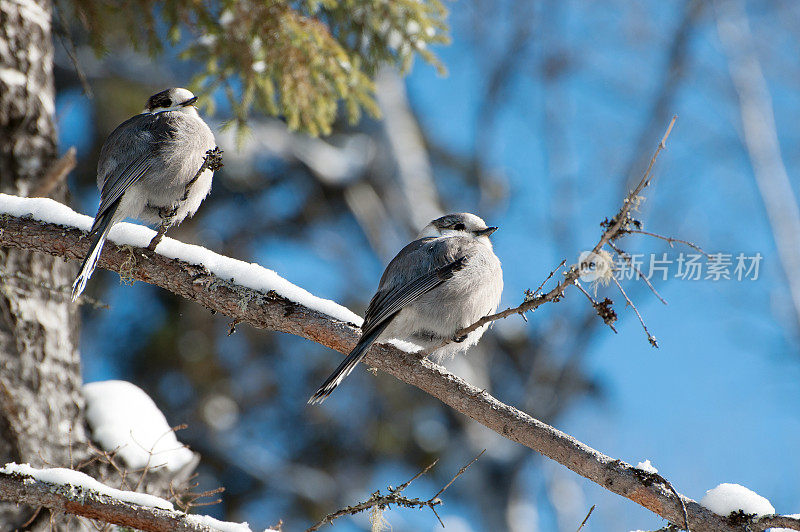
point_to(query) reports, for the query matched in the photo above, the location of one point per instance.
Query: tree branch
(274, 312)
(615, 228)
(84, 502)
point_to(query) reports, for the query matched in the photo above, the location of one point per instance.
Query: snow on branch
(73, 492)
(248, 293)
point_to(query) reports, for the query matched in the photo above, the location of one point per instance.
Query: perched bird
(442, 282)
(148, 169)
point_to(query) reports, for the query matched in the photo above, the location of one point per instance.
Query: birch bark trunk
(40, 375)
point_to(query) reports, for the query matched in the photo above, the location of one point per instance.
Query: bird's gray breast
(174, 146)
(460, 301)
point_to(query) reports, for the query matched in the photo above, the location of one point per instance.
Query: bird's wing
(121, 179)
(135, 145)
(418, 269)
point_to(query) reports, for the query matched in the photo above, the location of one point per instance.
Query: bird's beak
(486, 232)
(190, 101)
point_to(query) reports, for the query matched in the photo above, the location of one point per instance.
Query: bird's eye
(459, 227)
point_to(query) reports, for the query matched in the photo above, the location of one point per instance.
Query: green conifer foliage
(300, 60)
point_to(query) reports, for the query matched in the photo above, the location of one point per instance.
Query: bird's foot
(167, 213)
(213, 159)
(156, 239)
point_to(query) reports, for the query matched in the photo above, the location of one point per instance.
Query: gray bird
(442, 282)
(147, 170)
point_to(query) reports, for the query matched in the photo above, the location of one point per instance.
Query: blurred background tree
(549, 111)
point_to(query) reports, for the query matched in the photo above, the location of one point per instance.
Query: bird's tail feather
(100, 228)
(347, 365)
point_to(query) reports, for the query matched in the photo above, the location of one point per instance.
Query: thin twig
(405, 484)
(669, 239)
(395, 497)
(615, 228)
(586, 518)
(56, 174)
(460, 472)
(650, 337)
(638, 271)
(30, 521)
(550, 276)
(683, 506)
(603, 309)
(69, 47)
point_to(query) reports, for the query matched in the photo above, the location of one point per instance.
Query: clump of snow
(404, 345)
(75, 479)
(246, 274)
(647, 467)
(222, 526)
(124, 418)
(727, 498)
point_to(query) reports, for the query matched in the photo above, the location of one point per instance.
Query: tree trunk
(40, 376)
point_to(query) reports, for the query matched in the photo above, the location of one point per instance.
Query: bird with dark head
(148, 169)
(442, 282)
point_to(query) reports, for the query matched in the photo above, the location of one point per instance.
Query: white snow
(76, 479)
(647, 467)
(222, 526)
(405, 345)
(727, 498)
(246, 274)
(124, 418)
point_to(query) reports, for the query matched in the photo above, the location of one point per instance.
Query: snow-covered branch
(248, 293)
(73, 492)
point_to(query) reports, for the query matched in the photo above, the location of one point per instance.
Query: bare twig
(56, 174)
(650, 337)
(395, 496)
(668, 239)
(683, 506)
(186, 498)
(460, 472)
(69, 46)
(604, 309)
(586, 518)
(530, 295)
(615, 227)
(627, 259)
